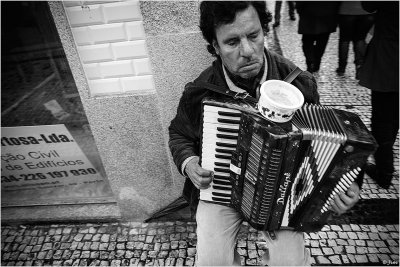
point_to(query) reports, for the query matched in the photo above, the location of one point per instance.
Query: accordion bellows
(281, 175)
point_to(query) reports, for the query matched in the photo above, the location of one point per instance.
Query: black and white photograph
(199, 133)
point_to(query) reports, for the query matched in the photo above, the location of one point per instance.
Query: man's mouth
(249, 66)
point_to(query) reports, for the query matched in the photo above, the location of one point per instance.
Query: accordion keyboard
(219, 140)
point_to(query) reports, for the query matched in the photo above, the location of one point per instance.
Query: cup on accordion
(281, 175)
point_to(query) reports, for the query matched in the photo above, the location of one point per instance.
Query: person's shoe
(340, 71)
(311, 67)
(276, 24)
(384, 180)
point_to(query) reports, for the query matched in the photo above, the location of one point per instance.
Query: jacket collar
(233, 87)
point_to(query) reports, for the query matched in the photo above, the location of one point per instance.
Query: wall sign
(41, 163)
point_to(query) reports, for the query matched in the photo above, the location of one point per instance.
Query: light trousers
(217, 230)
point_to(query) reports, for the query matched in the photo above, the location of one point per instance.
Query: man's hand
(345, 201)
(201, 178)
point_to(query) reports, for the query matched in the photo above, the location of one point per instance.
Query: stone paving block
(95, 263)
(251, 245)
(380, 244)
(384, 250)
(394, 235)
(170, 262)
(352, 235)
(362, 235)
(335, 259)
(242, 251)
(350, 249)
(361, 250)
(316, 251)
(360, 242)
(190, 261)
(251, 262)
(323, 260)
(163, 254)
(395, 259)
(373, 258)
(395, 250)
(351, 242)
(384, 257)
(94, 254)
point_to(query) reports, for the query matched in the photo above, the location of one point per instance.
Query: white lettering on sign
(45, 156)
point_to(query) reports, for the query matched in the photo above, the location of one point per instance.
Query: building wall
(130, 61)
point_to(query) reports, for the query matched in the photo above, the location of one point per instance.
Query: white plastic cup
(279, 100)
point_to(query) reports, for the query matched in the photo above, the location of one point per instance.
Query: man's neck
(251, 84)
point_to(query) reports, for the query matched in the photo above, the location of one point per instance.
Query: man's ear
(216, 47)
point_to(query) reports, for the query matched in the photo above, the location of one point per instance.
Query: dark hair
(216, 13)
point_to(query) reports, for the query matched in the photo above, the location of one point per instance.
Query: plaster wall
(129, 116)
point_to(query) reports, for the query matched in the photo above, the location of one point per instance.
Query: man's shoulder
(211, 75)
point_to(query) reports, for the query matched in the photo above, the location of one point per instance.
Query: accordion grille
(320, 126)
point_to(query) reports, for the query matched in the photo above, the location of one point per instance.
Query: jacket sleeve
(183, 141)
(308, 86)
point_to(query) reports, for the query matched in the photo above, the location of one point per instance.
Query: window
(48, 151)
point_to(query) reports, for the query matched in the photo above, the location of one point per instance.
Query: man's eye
(232, 43)
(253, 36)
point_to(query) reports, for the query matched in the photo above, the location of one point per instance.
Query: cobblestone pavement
(367, 235)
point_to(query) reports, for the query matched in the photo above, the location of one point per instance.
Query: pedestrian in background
(278, 7)
(354, 24)
(317, 20)
(380, 73)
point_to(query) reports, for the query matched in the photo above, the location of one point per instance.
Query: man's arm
(183, 144)
(182, 138)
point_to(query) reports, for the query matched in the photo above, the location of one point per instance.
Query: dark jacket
(316, 17)
(185, 128)
(380, 71)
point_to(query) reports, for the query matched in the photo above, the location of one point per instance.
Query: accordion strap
(244, 96)
(221, 90)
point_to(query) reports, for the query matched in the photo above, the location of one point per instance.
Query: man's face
(241, 44)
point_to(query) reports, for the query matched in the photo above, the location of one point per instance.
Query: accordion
(281, 175)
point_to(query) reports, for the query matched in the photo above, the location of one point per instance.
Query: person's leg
(292, 7)
(384, 125)
(217, 230)
(287, 249)
(321, 42)
(277, 17)
(344, 42)
(308, 49)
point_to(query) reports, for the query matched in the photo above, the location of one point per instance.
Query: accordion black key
(281, 175)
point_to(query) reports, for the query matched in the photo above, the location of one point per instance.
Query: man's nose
(246, 50)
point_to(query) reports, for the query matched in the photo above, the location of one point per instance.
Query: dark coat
(380, 71)
(185, 128)
(316, 17)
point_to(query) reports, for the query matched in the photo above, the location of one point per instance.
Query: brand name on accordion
(282, 189)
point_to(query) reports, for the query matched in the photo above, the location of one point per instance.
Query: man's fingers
(205, 182)
(200, 182)
(335, 208)
(203, 172)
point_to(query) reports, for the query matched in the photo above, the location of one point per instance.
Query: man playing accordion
(235, 34)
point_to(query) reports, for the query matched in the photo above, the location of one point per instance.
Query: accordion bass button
(349, 148)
